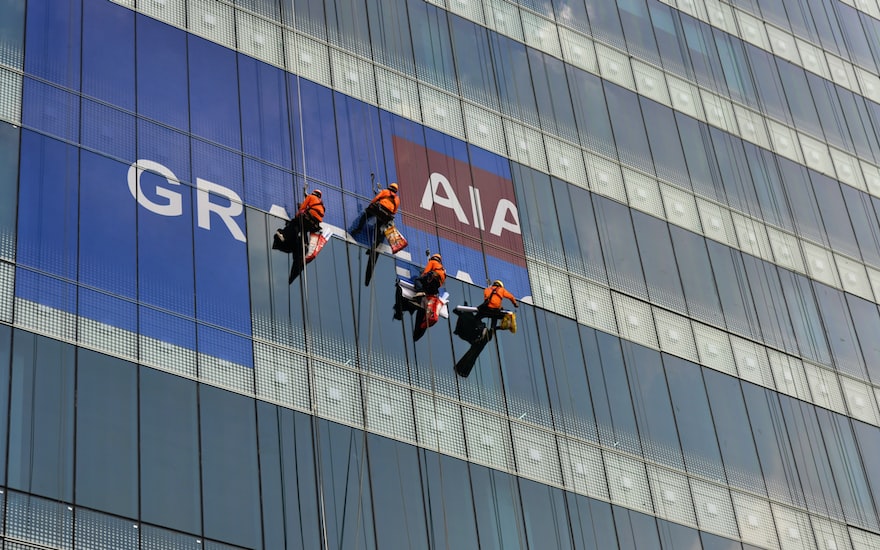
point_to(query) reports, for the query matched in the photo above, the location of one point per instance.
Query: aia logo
(460, 202)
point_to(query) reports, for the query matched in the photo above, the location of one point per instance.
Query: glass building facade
(684, 194)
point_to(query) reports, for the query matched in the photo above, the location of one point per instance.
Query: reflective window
(772, 442)
(537, 215)
(853, 24)
(344, 477)
(12, 33)
(392, 45)
(737, 73)
(169, 451)
(605, 23)
(312, 114)
(767, 81)
(305, 15)
(589, 251)
(837, 222)
(287, 479)
(733, 171)
(700, 161)
(5, 357)
(665, 144)
(515, 87)
(591, 111)
(696, 274)
(768, 186)
(348, 25)
(805, 317)
(849, 471)
(448, 496)
(841, 333)
(704, 55)
(733, 289)
(864, 222)
(497, 506)
(398, 498)
(9, 138)
(552, 94)
(572, 13)
(635, 531)
(831, 113)
(668, 32)
(766, 290)
(473, 61)
(658, 261)
(592, 524)
(651, 403)
(108, 53)
(637, 28)
(629, 127)
(545, 516)
(678, 537)
(106, 434)
(619, 246)
(866, 322)
(714, 542)
(523, 367)
(230, 482)
(800, 100)
(735, 437)
(567, 379)
(41, 417)
(868, 439)
(802, 201)
(432, 45)
(610, 391)
(693, 418)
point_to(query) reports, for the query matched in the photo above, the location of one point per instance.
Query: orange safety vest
(494, 295)
(388, 200)
(436, 267)
(314, 207)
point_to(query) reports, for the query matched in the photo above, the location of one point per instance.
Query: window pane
(695, 269)
(106, 434)
(497, 505)
(213, 92)
(837, 222)
(432, 45)
(592, 524)
(398, 501)
(474, 62)
(635, 531)
(9, 138)
(841, 332)
(446, 483)
(545, 515)
(658, 262)
(629, 127)
(108, 53)
(514, 81)
(41, 415)
(169, 450)
(665, 142)
(53, 39)
(230, 492)
(619, 245)
(5, 356)
(591, 111)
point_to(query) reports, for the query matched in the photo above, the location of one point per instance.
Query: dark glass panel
(735, 438)
(629, 127)
(635, 531)
(737, 73)
(391, 47)
(669, 159)
(592, 523)
(837, 222)
(693, 418)
(864, 223)
(804, 314)
(398, 500)
(772, 442)
(312, 114)
(9, 140)
(697, 146)
(12, 33)
(848, 469)
(714, 542)
(776, 327)
(656, 422)
(800, 100)
(610, 391)
(5, 368)
(552, 94)
(537, 215)
(767, 81)
(345, 483)
(868, 439)
(841, 333)
(697, 278)
(866, 322)
(348, 25)
(449, 501)
(678, 537)
(831, 114)
(567, 378)
(515, 87)
(605, 23)
(619, 246)
(230, 474)
(473, 61)
(668, 33)
(432, 45)
(497, 506)
(705, 61)
(768, 186)
(305, 15)
(169, 451)
(733, 171)
(853, 23)
(638, 30)
(589, 244)
(545, 515)
(106, 434)
(41, 417)
(591, 111)
(733, 289)
(572, 13)
(658, 262)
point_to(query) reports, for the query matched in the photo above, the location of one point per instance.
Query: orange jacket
(388, 199)
(313, 206)
(437, 268)
(493, 296)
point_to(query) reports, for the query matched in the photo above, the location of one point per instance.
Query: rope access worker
(432, 278)
(493, 296)
(383, 207)
(306, 221)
